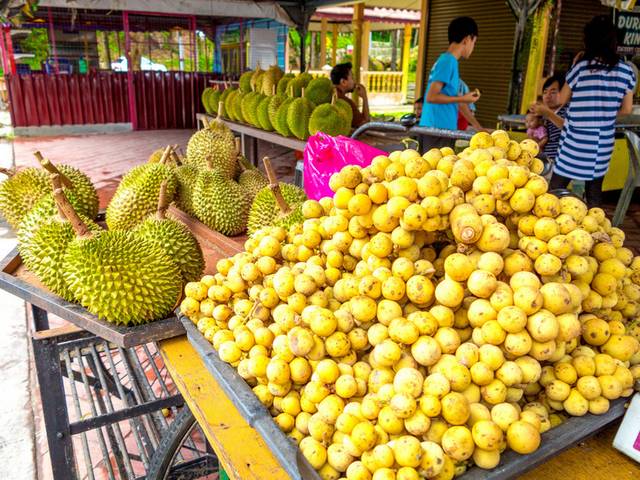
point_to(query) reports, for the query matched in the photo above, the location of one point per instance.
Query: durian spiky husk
(345, 109)
(215, 142)
(220, 203)
(137, 195)
(280, 124)
(186, 177)
(42, 250)
(121, 277)
(252, 180)
(281, 89)
(19, 193)
(329, 119)
(262, 113)
(83, 189)
(319, 90)
(265, 211)
(245, 81)
(298, 115)
(178, 243)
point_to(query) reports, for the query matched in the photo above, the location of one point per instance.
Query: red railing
(162, 99)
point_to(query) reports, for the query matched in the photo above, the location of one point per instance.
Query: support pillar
(358, 20)
(324, 24)
(366, 41)
(334, 45)
(422, 49)
(406, 51)
(537, 51)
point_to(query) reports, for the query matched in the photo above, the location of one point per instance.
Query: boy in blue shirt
(442, 98)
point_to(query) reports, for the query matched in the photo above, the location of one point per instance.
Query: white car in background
(120, 65)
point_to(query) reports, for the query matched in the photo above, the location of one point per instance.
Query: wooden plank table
(244, 455)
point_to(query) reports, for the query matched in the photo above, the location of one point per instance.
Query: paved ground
(17, 446)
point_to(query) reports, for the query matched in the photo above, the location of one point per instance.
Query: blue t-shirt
(443, 115)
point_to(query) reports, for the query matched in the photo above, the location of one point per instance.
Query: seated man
(342, 78)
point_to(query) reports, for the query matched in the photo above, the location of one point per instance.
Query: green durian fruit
(345, 109)
(305, 78)
(213, 100)
(259, 80)
(266, 212)
(220, 203)
(223, 98)
(229, 111)
(245, 81)
(20, 192)
(42, 242)
(271, 79)
(137, 195)
(43, 210)
(272, 109)
(216, 141)
(250, 107)
(329, 119)
(319, 90)
(83, 189)
(295, 86)
(251, 179)
(262, 114)
(254, 78)
(237, 107)
(186, 178)
(298, 115)
(280, 124)
(284, 83)
(203, 98)
(118, 275)
(175, 239)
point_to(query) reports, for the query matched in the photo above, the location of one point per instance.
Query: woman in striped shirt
(599, 86)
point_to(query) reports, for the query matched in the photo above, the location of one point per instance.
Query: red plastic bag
(324, 155)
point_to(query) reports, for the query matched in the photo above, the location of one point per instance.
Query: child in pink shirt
(536, 129)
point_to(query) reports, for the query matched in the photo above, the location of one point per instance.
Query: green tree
(37, 43)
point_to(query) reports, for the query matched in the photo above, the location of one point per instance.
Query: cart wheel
(183, 452)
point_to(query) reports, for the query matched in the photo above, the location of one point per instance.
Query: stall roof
(217, 8)
(374, 14)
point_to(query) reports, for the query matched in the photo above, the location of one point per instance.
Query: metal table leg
(54, 405)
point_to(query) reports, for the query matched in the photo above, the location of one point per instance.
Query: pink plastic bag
(324, 155)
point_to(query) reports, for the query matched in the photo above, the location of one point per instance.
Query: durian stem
(273, 91)
(163, 202)
(70, 214)
(57, 185)
(51, 168)
(205, 120)
(220, 107)
(275, 186)
(174, 155)
(7, 171)
(334, 96)
(238, 146)
(166, 154)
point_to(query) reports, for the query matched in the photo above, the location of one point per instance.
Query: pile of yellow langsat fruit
(436, 311)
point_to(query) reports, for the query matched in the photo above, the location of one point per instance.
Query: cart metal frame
(107, 375)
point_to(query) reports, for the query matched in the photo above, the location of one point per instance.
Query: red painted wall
(163, 100)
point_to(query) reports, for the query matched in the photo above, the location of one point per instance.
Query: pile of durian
(291, 105)
(438, 310)
(218, 186)
(131, 273)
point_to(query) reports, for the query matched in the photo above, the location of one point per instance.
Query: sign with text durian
(628, 24)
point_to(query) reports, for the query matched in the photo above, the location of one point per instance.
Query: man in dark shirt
(553, 113)
(342, 78)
